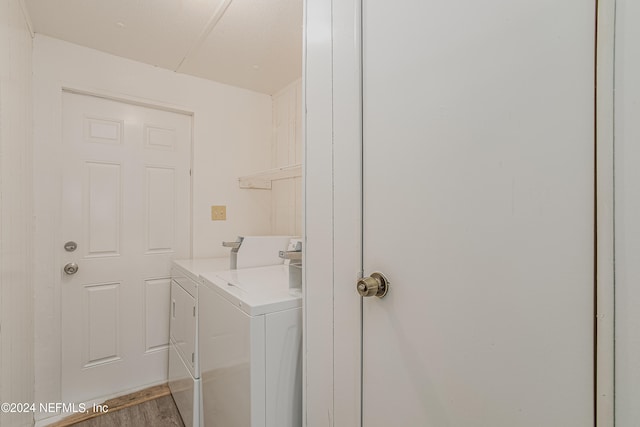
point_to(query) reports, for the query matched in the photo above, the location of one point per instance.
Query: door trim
(604, 189)
(332, 230)
(332, 149)
(127, 99)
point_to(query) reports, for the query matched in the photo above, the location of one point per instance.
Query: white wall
(627, 213)
(232, 137)
(286, 203)
(16, 285)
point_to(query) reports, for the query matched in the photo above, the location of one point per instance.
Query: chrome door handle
(374, 285)
(71, 268)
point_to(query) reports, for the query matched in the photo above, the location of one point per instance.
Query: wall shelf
(262, 180)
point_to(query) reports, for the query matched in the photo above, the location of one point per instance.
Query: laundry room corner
(224, 148)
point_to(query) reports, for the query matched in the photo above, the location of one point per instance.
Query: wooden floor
(160, 412)
(151, 407)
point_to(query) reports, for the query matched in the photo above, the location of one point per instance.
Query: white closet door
(478, 207)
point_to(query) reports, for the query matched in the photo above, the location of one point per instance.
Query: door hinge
(193, 358)
(194, 311)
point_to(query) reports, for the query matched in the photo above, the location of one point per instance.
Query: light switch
(218, 213)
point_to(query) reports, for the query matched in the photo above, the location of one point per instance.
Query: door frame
(604, 211)
(332, 221)
(333, 224)
(47, 257)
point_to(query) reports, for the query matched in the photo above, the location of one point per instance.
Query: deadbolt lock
(375, 285)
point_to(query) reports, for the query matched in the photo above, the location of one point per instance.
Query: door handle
(71, 268)
(374, 285)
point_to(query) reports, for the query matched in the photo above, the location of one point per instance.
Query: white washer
(184, 371)
(250, 337)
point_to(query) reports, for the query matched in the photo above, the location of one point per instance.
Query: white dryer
(250, 337)
(184, 371)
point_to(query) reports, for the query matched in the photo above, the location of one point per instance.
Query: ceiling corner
(213, 21)
(27, 17)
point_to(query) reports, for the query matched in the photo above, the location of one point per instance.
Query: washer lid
(255, 291)
(194, 267)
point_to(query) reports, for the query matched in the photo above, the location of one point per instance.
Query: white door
(126, 204)
(478, 207)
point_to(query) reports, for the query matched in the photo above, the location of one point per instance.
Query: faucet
(235, 247)
(294, 255)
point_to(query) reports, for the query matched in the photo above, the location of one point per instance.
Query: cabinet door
(182, 324)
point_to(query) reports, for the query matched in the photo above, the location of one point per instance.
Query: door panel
(126, 198)
(101, 331)
(103, 211)
(478, 207)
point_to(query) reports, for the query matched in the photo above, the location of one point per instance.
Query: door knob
(71, 268)
(374, 285)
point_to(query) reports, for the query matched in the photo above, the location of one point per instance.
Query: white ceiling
(255, 44)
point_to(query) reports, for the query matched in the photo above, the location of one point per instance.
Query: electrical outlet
(218, 213)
